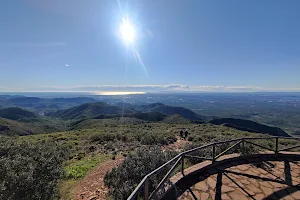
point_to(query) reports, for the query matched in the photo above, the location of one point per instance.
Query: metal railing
(180, 159)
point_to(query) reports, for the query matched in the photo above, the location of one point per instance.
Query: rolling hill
(26, 122)
(15, 113)
(171, 110)
(12, 127)
(37, 104)
(175, 119)
(89, 110)
(25, 101)
(250, 126)
(149, 116)
(99, 123)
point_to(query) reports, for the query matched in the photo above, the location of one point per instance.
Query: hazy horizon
(171, 88)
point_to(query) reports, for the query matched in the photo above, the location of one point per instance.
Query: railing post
(276, 145)
(146, 189)
(243, 146)
(214, 152)
(182, 164)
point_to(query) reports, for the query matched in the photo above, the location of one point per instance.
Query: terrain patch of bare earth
(92, 186)
(176, 146)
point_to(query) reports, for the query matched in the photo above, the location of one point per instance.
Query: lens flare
(127, 31)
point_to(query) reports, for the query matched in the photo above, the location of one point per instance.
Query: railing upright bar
(182, 164)
(243, 146)
(276, 145)
(214, 152)
(146, 189)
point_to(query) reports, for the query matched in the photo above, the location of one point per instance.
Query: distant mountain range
(42, 104)
(156, 112)
(151, 112)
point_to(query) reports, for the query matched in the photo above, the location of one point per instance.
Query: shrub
(30, 171)
(121, 181)
(102, 137)
(190, 138)
(148, 139)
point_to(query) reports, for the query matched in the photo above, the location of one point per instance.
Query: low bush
(121, 181)
(143, 136)
(30, 171)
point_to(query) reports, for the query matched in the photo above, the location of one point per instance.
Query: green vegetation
(250, 126)
(123, 180)
(156, 112)
(80, 138)
(88, 147)
(99, 123)
(89, 110)
(145, 160)
(77, 169)
(176, 119)
(37, 104)
(30, 171)
(15, 113)
(171, 110)
(66, 187)
(28, 126)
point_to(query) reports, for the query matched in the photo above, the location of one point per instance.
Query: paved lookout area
(266, 180)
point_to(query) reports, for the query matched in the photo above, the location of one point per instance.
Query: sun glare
(127, 31)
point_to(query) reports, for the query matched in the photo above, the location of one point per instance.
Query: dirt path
(92, 187)
(176, 146)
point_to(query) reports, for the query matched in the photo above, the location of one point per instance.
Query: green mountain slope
(250, 126)
(15, 113)
(12, 127)
(89, 110)
(98, 123)
(175, 119)
(171, 110)
(38, 105)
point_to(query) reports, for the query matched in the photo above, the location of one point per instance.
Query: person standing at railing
(186, 134)
(181, 134)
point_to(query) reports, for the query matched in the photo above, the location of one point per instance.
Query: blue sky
(192, 45)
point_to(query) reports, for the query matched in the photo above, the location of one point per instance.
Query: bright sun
(127, 31)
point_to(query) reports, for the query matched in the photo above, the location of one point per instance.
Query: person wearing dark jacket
(181, 134)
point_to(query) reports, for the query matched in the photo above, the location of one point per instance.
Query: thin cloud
(172, 88)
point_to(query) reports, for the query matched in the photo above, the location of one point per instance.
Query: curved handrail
(144, 181)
